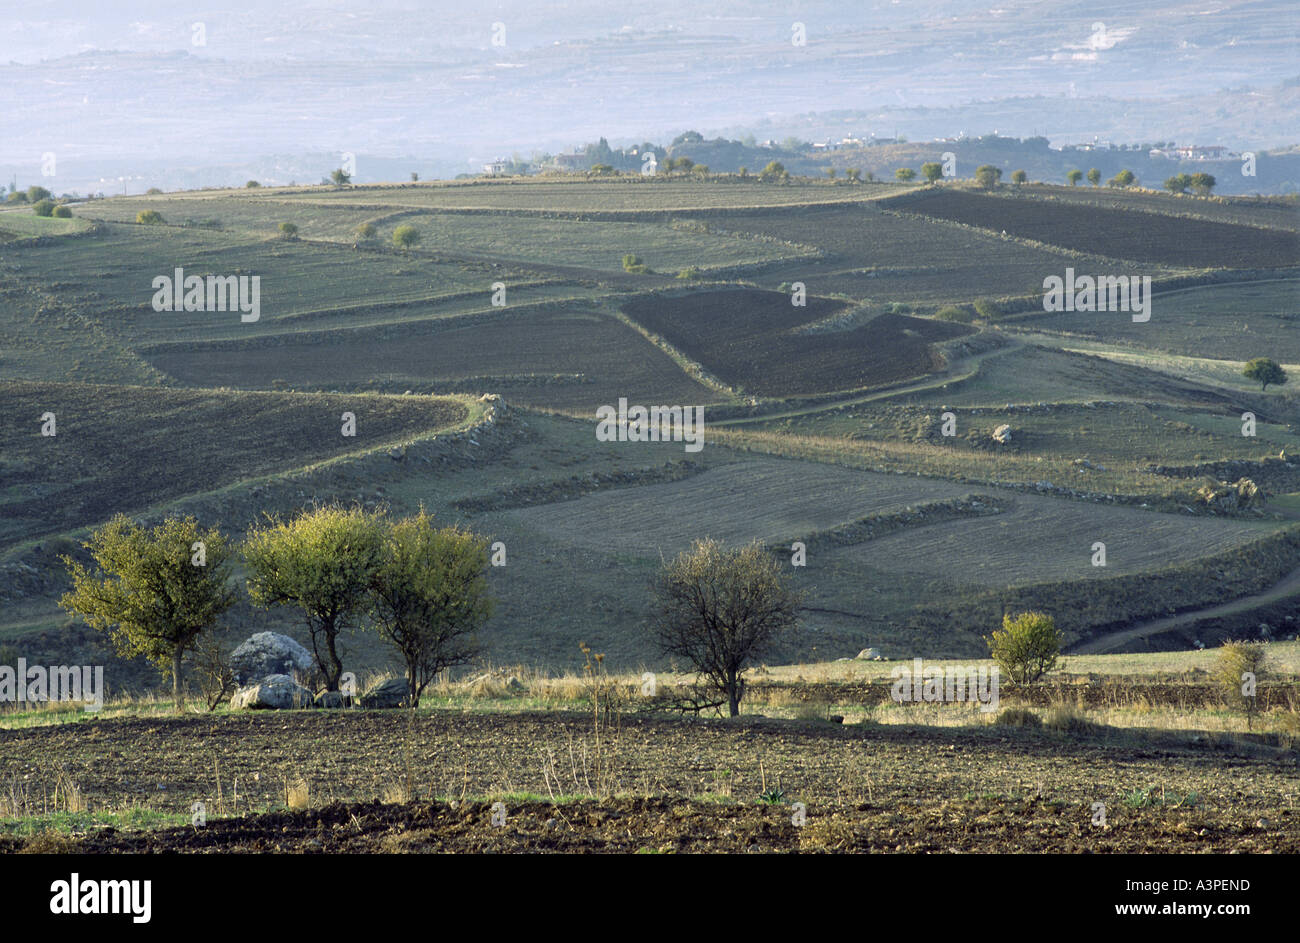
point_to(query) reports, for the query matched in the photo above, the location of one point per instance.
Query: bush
(632, 263)
(62, 212)
(1026, 647)
(689, 272)
(252, 185)
(1018, 717)
(1238, 669)
(987, 310)
(289, 230)
(954, 313)
(404, 237)
(149, 217)
(44, 208)
(365, 232)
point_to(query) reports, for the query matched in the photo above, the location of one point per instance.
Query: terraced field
(1235, 321)
(561, 359)
(750, 339)
(627, 195)
(1046, 539)
(126, 449)
(1152, 238)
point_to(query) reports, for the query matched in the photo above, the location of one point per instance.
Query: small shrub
(1068, 720)
(1026, 647)
(1239, 668)
(953, 313)
(289, 230)
(404, 237)
(149, 217)
(632, 263)
(62, 212)
(689, 273)
(44, 208)
(987, 310)
(1018, 717)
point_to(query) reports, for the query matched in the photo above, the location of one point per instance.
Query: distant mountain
(456, 85)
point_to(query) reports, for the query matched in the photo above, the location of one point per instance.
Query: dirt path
(1287, 586)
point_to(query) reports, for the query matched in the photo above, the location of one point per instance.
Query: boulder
(868, 654)
(266, 654)
(390, 693)
(277, 692)
(1002, 434)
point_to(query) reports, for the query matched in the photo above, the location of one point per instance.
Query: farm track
(1286, 587)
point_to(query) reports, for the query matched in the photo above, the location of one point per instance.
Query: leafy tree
(44, 208)
(323, 562)
(149, 217)
(1125, 178)
(720, 609)
(1019, 177)
(1094, 177)
(152, 191)
(156, 591)
(774, 170)
(987, 176)
(252, 185)
(1237, 671)
(988, 309)
(1178, 183)
(600, 170)
(854, 174)
(905, 174)
(430, 597)
(683, 164)
(415, 178)
(1203, 183)
(340, 177)
(1026, 647)
(830, 173)
(1074, 176)
(289, 230)
(1265, 371)
(18, 196)
(406, 236)
(701, 170)
(932, 171)
(365, 232)
(35, 194)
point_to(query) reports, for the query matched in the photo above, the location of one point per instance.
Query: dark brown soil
(865, 787)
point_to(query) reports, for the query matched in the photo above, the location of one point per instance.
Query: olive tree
(1026, 647)
(720, 609)
(157, 591)
(324, 562)
(430, 597)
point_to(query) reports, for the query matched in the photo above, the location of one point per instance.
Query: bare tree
(720, 609)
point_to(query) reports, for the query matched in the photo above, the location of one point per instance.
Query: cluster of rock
(270, 669)
(1222, 496)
